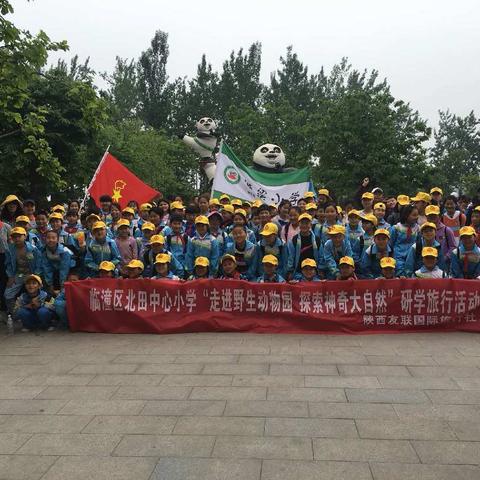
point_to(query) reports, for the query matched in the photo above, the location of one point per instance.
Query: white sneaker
(25, 330)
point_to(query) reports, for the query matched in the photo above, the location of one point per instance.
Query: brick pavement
(224, 406)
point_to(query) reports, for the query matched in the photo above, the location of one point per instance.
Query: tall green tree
(456, 153)
(22, 120)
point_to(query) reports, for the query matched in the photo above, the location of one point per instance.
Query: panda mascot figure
(204, 144)
(270, 158)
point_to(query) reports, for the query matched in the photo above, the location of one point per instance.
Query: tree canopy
(55, 122)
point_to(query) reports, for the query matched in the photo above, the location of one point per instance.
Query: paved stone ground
(239, 407)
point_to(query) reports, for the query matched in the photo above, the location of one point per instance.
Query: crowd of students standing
(425, 236)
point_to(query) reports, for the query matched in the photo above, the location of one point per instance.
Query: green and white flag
(239, 181)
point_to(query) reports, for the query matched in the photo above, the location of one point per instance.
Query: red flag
(114, 179)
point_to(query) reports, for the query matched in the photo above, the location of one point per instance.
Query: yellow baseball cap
(56, 215)
(214, 201)
(257, 203)
(272, 259)
(123, 222)
(309, 195)
(436, 190)
(428, 225)
(305, 216)
(10, 199)
(382, 231)
(129, 210)
(246, 203)
(236, 202)
(347, 261)
(34, 277)
(201, 219)
(308, 262)
(176, 206)
(429, 252)
(422, 197)
(432, 210)
(403, 200)
(336, 230)
(98, 225)
(157, 239)
(324, 191)
(202, 262)
(163, 258)
(135, 264)
(311, 206)
(387, 262)
(224, 197)
(18, 231)
(145, 206)
(367, 195)
(370, 218)
(240, 211)
(107, 266)
(227, 256)
(22, 219)
(477, 209)
(467, 231)
(339, 209)
(380, 205)
(58, 207)
(269, 229)
(148, 226)
(229, 208)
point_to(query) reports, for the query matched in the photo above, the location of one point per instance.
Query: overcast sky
(429, 50)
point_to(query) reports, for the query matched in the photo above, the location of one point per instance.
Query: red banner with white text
(356, 306)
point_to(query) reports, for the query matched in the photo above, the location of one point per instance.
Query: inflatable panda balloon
(204, 144)
(269, 158)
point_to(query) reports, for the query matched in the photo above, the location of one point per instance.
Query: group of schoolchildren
(425, 236)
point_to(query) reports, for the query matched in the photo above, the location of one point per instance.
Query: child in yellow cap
(21, 259)
(158, 245)
(465, 259)
(270, 274)
(244, 251)
(308, 272)
(370, 265)
(387, 265)
(429, 269)
(34, 308)
(414, 259)
(346, 269)
(201, 269)
(162, 267)
(367, 203)
(126, 244)
(228, 268)
(10, 209)
(99, 249)
(106, 270)
(270, 244)
(336, 248)
(134, 269)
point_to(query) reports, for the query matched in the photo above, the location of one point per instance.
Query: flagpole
(219, 152)
(94, 176)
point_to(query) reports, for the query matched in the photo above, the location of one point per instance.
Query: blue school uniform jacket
(247, 259)
(205, 246)
(332, 256)
(294, 246)
(58, 261)
(33, 257)
(278, 250)
(465, 264)
(370, 263)
(401, 241)
(276, 279)
(356, 239)
(414, 259)
(99, 252)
